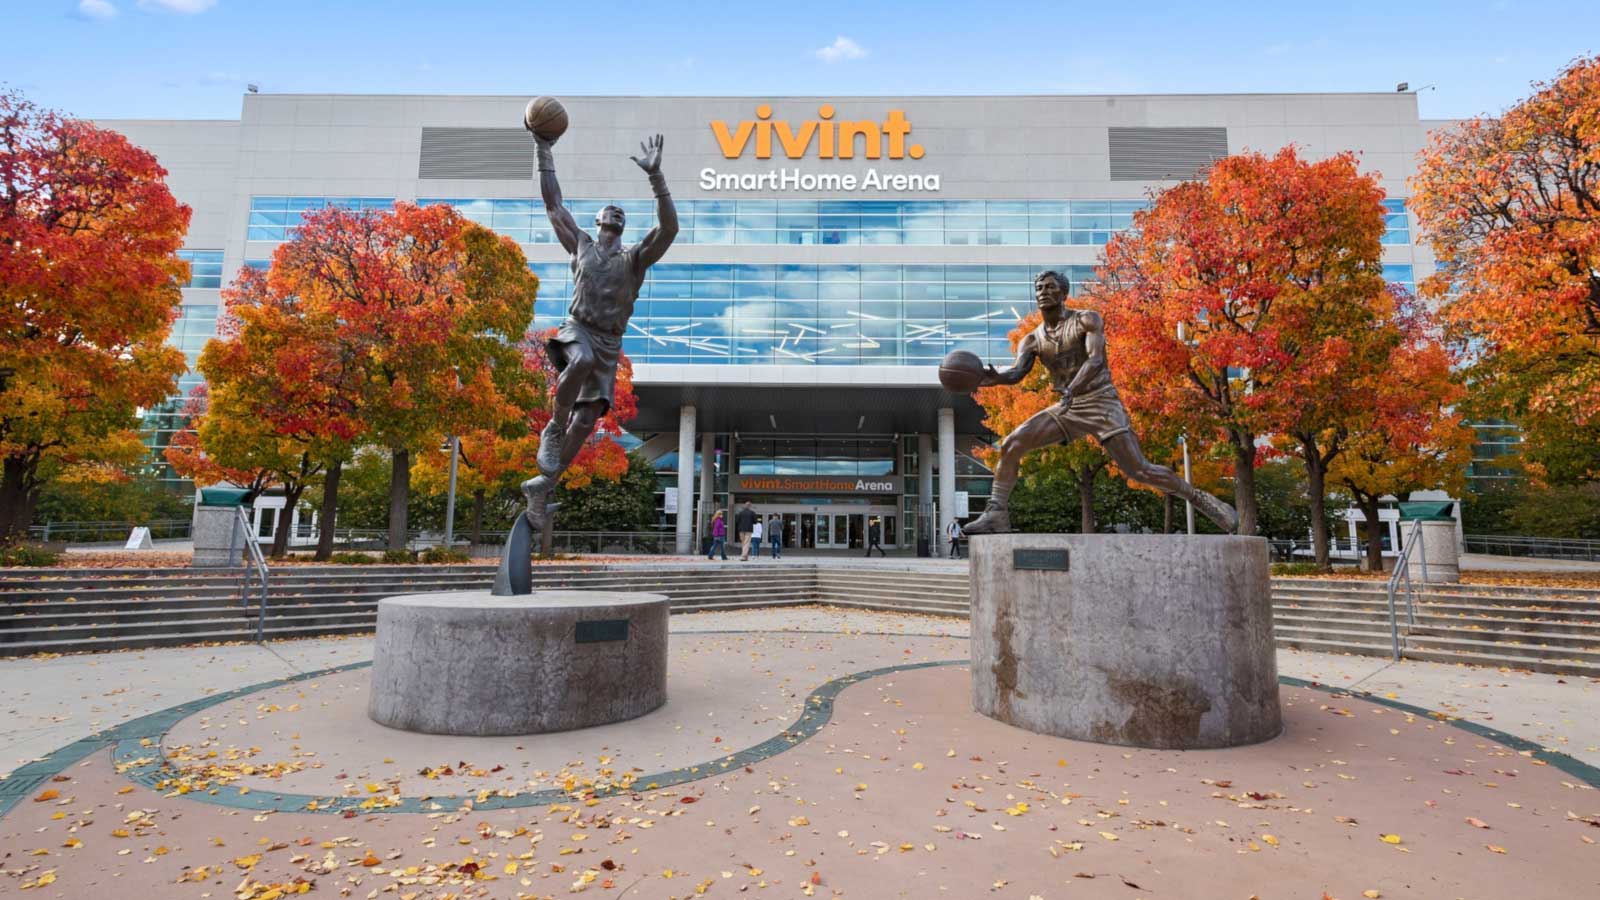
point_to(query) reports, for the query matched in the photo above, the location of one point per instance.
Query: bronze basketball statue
(1071, 343)
(606, 277)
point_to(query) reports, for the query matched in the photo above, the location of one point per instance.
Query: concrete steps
(69, 610)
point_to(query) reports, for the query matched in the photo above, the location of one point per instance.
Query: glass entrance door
(808, 530)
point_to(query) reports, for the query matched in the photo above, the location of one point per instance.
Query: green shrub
(399, 557)
(438, 555)
(353, 559)
(24, 555)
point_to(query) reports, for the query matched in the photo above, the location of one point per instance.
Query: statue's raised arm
(657, 239)
(566, 228)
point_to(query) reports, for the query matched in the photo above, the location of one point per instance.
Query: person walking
(954, 533)
(719, 536)
(755, 536)
(742, 524)
(775, 534)
(874, 535)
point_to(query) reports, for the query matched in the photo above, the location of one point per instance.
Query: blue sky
(192, 58)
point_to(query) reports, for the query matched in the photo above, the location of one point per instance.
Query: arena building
(832, 250)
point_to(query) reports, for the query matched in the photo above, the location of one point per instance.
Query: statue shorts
(606, 349)
(1099, 413)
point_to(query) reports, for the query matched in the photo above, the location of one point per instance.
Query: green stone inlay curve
(125, 741)
(147, 765)
(1577, 768)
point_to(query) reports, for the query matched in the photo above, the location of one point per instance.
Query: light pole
(450, 497)
(1188, 506)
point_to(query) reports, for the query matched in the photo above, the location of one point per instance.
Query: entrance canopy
(805, 400)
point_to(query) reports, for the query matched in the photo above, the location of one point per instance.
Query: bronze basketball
(961, 371)
(545, 117)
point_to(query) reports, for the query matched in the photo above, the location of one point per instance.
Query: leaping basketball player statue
(606, 277)
(1072, 345)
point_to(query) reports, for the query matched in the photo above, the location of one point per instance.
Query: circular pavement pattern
(848, 765)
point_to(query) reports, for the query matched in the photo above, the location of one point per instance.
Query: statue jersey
(1065, 355)
(604, 285)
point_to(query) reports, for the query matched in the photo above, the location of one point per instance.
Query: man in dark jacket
(744, 523)
(874, 535)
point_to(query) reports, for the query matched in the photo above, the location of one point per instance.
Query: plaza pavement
(902, 792)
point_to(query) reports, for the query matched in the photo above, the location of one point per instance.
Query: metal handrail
(106, 532)
(258, 562)
(1527, 545)
(1402, 570)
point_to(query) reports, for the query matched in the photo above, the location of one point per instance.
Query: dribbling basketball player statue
(1071, 343)
(606, 277)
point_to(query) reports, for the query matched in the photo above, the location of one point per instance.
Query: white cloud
(96, 9)
(841, 49)
(187, 7)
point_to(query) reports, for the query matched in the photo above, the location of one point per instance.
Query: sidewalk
(52, 702)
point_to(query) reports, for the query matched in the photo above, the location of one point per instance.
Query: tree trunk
(280, 535)
(477, 516)
(1316, 481)
(1086, 499)
(1369, 508)
(1166, 513)
(399, 494)
(18, 494)
(1244, 481)
(330, 508)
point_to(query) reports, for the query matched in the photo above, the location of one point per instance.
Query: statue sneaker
(535, 491)
(995, 520)
(550, 448)
(1221, 514)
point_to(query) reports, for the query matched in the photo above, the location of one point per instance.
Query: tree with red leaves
(380, 327)
(89, 278)
(1235, 296)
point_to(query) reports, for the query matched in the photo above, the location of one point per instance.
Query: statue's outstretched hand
(650, 158)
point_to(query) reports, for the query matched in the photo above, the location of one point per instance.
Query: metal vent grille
(476, 153)
(1164, 154)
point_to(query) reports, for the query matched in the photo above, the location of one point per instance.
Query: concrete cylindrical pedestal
(468, 663)
(1156, 641)
(218, 537)
(1439, 550)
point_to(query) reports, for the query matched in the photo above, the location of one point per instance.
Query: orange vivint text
(833, 140)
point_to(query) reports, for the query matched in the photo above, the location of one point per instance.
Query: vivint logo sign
(823, 138)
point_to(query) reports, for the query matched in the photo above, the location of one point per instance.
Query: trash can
(1439, 561)
(218, 536)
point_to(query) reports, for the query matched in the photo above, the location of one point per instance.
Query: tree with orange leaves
(1511, 205)
(89, 277)
(383, 327)
(1407, 435)
(1232, 296)
(496, 459)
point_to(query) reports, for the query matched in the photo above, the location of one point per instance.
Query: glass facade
(953, 223)
(205, 268)
(813, 314)
(1399, 224)
(1494, 440)
(275, 218)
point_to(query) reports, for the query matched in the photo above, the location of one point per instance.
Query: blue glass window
(780, 222)
(1397, 221)
(205, 268)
